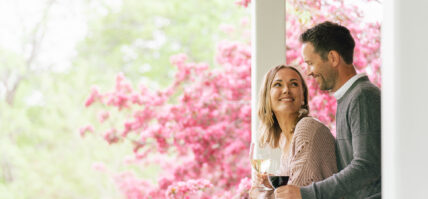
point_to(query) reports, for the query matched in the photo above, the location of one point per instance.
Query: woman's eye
(276, 85)
(294, 84)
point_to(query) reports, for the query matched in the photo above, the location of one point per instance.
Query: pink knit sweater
(311, 156)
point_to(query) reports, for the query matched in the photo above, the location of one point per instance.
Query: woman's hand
(253, 193)
(262, 179)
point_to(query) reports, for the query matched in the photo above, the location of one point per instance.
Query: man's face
(320, 69)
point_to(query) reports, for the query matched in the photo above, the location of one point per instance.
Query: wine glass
(260, 161)
(277, 180)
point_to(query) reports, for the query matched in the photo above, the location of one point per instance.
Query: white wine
(257, 164)
(260, 165)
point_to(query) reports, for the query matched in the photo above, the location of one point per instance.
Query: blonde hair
(271, 131)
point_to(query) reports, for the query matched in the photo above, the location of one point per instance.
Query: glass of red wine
(277, 181)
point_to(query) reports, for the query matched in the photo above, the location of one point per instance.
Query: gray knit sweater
(358, 149)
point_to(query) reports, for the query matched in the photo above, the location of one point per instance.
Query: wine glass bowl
(256, 164)
(277, 181)
(260, 163)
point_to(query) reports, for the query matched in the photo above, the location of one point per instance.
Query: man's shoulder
(364, 90)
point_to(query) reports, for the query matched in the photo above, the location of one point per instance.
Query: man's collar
(342, 90)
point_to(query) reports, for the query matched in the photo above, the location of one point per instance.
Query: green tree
(140, 36)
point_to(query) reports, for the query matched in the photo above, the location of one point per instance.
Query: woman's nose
(285, 89)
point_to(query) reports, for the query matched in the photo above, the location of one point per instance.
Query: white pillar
(268, 48)
(404, 99)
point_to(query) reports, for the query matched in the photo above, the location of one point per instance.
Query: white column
(405, 99)
(268, 48)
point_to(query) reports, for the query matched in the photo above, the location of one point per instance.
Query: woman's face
(286, 92)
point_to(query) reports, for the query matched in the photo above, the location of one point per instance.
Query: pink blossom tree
(199, 127)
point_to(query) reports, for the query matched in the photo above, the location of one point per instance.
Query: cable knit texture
(311, 156)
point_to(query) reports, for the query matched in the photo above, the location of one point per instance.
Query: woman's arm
(313, 154)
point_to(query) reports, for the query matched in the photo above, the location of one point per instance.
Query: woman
(308, 150)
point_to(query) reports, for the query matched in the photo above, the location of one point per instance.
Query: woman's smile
(286, 99)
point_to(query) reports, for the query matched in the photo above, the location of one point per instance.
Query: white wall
(268, 50)
(405, 99)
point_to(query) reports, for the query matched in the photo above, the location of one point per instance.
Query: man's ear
(334, 58)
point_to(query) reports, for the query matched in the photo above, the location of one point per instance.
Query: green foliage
(10, 60)
(139, 38)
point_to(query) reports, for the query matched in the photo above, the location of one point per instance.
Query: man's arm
(364, 119)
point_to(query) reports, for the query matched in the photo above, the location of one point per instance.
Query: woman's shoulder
(309, 121)
(310, 125)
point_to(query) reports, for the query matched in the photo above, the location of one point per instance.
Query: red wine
(277, 181)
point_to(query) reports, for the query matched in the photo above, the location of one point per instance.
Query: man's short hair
(329, 36)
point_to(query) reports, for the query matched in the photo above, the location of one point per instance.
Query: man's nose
(310, 71)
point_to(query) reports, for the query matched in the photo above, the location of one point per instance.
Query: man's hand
(288, 192)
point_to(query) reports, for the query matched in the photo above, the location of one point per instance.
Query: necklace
(292, 130)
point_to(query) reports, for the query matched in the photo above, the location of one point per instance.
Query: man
(328, 50)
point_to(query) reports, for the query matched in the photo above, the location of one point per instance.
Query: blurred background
(52, 51)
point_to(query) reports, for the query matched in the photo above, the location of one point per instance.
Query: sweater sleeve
(313, 154)
(364, 121)
(300, 154)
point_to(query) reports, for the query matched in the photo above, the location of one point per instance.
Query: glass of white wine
(260, 161)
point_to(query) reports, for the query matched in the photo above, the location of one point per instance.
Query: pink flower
(103, 115)
(181, 189)
(178, 60)
(111, 137)
(164, 183)
(99, 166)
(133, 187)
(119, 100)
(243, 188)
(227, 28)
(93, 97)
(243, 3)
(86, 129)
